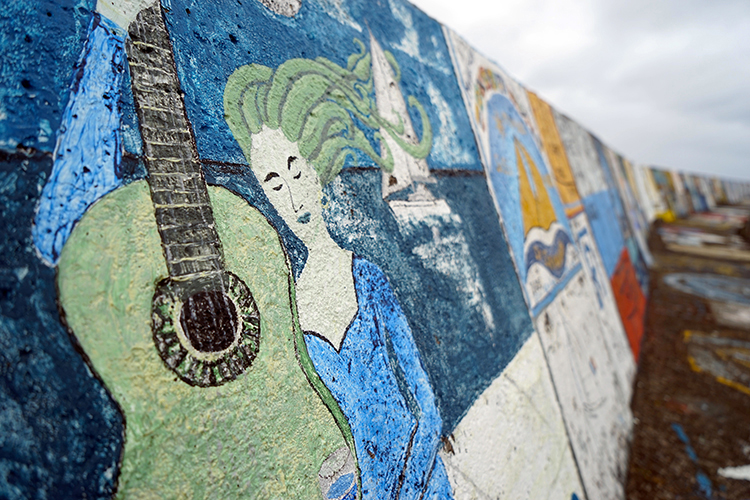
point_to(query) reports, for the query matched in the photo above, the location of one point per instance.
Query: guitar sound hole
(209, 320)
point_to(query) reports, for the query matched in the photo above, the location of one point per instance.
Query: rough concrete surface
(692, 400)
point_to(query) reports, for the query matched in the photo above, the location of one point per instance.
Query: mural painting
(725, 358)
(599, 232)
(533, 216)
(164, 221)
(665, 186)
(316, 249)
(592, 380)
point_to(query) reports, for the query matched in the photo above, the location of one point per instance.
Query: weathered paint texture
(317, 249)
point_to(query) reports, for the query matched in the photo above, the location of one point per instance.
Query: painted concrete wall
(308, 249)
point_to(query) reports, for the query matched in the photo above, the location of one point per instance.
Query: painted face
(289, 181)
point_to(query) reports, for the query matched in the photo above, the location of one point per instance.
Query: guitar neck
(184, 217)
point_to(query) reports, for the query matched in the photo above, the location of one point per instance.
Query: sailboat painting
(529, 206)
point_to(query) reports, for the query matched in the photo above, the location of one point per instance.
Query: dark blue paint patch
(208, 48)
(704, 483)
(41, 42)
(60, 432)
(89, 150)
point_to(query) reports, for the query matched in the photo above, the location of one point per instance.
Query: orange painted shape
(558, 159)
(630, 301)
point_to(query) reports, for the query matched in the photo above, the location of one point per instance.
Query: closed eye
(298, 175)
(277, 188)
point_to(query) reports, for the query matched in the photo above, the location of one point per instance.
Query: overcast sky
(664, 82)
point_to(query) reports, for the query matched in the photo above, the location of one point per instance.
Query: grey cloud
(663, 82)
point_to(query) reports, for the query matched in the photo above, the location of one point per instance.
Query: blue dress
(378, 380)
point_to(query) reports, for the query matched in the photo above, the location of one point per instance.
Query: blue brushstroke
(506, 126)
(704, 483)
(88, 151)
(342, 485)
(379, 382)
(605, 226)
(546, 255)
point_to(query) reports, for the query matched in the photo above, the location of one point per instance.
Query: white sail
(407, 170)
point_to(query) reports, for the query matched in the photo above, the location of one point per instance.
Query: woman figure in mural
(296, 130)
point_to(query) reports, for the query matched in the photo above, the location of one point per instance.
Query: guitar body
(264, 434)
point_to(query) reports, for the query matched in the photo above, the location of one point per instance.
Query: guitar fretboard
(178, 189)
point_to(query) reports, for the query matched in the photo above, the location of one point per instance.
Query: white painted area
(122, 12)
(288, 8)
(407, 170)
(592, 396)
(742, 473)
(512, 444)
(613, 330)
(731, 314)
(539, 280)
(582, 155)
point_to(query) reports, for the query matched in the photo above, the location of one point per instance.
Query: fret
(188, 268)
(162, 136)
(192, 250)
(203, 276)
(146, 68)
(180, 181)
(182, 208)
(183, 234)
(181, 205)
(168, 152)
(166, 101)
(178, 197)
(172, 216)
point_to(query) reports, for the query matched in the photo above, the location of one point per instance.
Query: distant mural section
(309, 249)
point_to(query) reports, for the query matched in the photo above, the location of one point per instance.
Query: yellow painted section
(536, 207)
(558, 160)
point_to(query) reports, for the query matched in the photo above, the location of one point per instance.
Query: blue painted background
(504, 173)
(208, 48)
(60, 432)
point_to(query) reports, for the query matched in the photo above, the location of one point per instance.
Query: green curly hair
(314, 102)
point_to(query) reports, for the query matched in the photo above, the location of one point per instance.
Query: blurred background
(664, 82)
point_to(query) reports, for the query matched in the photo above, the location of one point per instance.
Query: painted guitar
(181, 299)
